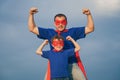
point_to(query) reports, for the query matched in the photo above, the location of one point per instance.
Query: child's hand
(46, 42)
(69, 38)
(33, 10)
(86, 11)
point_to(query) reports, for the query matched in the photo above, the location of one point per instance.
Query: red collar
(59, 32)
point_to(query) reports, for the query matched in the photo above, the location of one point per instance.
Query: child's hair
(57, 37)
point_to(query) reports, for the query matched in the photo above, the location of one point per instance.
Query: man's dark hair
(60, 15)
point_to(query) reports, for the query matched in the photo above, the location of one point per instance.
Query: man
(60, 22)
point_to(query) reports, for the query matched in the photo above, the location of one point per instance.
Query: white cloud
(107, 4)
(107, 7)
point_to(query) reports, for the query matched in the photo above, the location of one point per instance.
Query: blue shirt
(75, 33)
(58, 62)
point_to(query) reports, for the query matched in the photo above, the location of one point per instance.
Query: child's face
(58, 44)
(60, 23)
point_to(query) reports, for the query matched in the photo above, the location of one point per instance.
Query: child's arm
(77, 47)
(40, 48)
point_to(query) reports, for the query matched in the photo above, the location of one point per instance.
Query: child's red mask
(58, 43)
(58, 22)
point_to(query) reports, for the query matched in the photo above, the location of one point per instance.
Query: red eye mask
(58, 43)
(58, 22)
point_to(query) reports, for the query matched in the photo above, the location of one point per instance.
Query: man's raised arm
(31, 23)
(90, 23)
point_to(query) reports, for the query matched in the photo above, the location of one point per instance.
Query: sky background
(100, 50)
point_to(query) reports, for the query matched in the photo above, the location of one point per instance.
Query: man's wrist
(30, 13)
(88, 14)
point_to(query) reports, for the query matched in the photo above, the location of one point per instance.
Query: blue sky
(100, 50)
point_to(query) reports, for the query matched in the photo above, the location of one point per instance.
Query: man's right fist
(33, 10)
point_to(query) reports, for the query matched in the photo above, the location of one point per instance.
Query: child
(58, 57)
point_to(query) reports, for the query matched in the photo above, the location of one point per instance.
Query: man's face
(60, 23)
(58, 44)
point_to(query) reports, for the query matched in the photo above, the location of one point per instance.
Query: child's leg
(47, 75)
